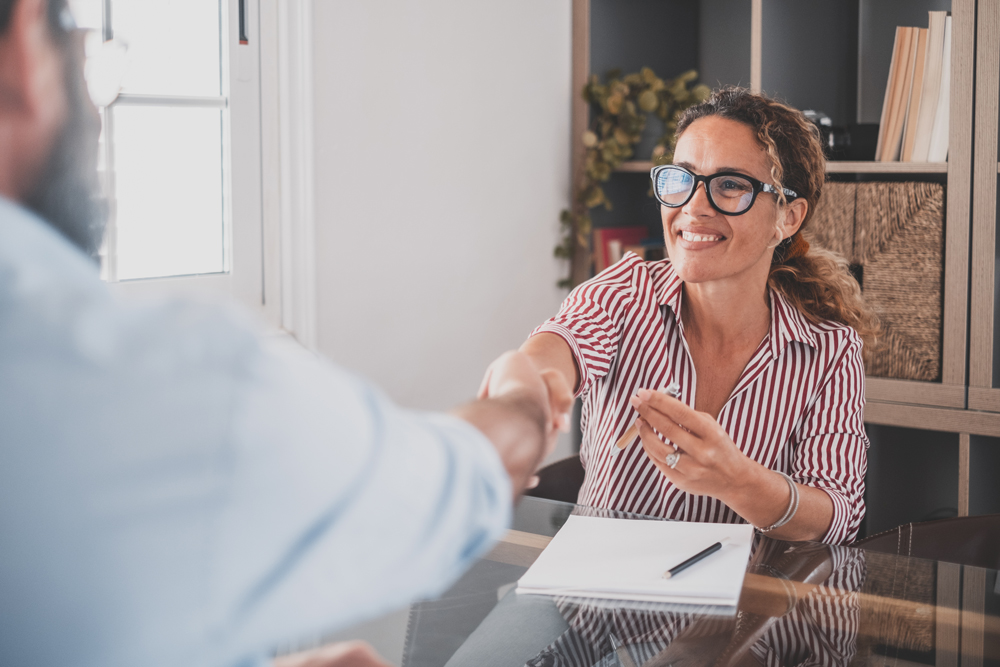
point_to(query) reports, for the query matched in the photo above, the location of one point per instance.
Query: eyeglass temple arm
(767, 187)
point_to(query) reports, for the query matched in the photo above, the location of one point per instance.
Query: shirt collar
(787, 323)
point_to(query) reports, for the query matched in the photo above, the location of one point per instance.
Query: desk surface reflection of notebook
(621, 559)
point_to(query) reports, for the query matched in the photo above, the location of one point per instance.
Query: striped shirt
(798, 407)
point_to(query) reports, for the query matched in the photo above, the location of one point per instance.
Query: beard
(68, 195)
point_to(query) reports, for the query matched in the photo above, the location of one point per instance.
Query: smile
(701, 238)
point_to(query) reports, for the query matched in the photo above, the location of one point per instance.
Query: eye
(731, 186)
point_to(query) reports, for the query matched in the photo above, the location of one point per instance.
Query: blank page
(625, 559)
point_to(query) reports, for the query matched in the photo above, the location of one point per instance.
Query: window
(181, 147)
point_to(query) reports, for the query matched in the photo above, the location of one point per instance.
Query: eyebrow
(690, 167)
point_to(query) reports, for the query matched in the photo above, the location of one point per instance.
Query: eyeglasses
(105, 60)
(729, 193)
(104, 68)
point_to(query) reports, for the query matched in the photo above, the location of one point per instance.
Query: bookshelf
(841, 68)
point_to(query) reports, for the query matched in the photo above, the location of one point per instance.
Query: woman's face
(705, 245)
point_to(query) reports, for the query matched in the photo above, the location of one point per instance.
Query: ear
(27, 58)
(795, 213)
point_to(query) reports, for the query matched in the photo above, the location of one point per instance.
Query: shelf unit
(774, 46)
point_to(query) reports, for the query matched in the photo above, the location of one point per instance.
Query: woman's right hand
(516, 371)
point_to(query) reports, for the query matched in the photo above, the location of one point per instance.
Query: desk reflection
(801, 604)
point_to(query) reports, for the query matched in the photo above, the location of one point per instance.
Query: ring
(672, 459)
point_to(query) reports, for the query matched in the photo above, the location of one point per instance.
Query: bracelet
(786, 583)
(793, 506)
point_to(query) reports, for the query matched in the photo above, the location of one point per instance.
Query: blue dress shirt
(175, 490)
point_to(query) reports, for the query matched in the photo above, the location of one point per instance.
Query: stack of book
(914, 123)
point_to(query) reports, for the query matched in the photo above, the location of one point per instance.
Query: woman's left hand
(710, 463)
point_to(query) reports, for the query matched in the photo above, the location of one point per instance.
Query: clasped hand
(514, 374)
(710, 463)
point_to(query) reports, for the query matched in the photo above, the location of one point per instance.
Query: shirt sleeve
(343, 506)
(831, 450)
(590, 320)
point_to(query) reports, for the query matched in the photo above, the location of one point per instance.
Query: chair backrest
(560, 480)
(967, 540)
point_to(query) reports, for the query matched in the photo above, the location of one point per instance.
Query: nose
(699, 205)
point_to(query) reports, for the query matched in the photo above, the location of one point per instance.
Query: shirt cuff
(844, 524)
(567, 335)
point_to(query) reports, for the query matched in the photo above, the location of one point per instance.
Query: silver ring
(672, 459)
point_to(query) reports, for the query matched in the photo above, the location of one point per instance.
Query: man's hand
(343, 654)
(515, 372)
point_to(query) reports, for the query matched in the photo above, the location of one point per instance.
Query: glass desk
(802, 603)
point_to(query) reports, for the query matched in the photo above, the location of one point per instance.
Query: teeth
(688, 236)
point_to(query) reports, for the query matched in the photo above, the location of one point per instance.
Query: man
(174, 491)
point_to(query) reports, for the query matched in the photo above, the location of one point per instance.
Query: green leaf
(648, 101)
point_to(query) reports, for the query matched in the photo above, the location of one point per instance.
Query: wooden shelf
(635, 166)
(886, 167)
(946, 420)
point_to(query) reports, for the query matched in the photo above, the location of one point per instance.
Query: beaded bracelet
(793, 506)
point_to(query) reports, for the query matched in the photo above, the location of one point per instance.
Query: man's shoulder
(51, 295)
(27, 240)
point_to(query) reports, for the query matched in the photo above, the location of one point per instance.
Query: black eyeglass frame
(758, 187)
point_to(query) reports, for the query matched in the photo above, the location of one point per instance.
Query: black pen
(692, 560)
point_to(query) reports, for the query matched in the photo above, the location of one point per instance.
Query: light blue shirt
(174, 491)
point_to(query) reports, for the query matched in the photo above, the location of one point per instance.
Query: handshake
(516, 384)
(522, 406)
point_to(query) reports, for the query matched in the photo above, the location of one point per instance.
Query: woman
(762, 334)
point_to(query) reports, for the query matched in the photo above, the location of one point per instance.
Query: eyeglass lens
(104, 68)
(730, 194)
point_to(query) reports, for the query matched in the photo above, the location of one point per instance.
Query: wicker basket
(895, 233)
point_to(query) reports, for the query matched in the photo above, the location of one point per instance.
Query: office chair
(560, 480)
(966, 540)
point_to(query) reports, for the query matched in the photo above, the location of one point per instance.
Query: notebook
(622, 559)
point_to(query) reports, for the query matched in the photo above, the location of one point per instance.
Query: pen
(692, 560)
(673, 389)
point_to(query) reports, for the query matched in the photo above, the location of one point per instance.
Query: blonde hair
(816, 281)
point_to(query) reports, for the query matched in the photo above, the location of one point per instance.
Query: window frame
(245, 225)
(275, 276)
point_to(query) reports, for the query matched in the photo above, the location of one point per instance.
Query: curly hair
(816, 281)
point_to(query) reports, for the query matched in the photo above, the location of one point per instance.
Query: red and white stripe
(798, 406)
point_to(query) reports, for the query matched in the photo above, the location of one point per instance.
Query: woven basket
(895, 233)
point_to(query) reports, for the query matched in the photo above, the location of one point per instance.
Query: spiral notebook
(622, 559)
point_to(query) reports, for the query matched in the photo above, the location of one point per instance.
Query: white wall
(442, 146)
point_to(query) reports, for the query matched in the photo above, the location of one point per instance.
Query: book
(883, 123)
(916, 89)
(621, 559)
(609, 243)
(938, 150)
(902, 75)
(932, 84)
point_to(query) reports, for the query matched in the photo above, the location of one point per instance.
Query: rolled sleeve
(590, 320)
(831, 452)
